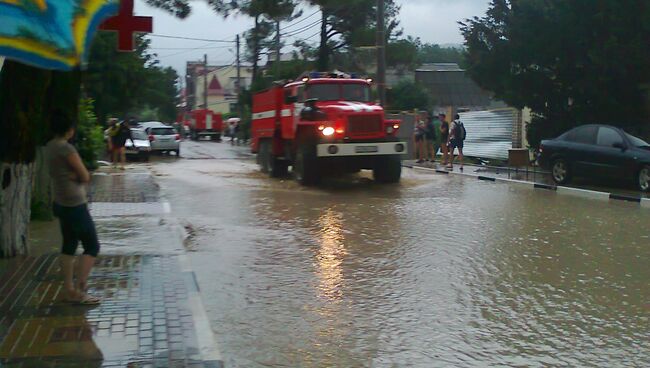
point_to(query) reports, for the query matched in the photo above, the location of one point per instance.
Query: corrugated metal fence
(489, 133)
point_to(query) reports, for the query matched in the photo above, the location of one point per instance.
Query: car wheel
(560, 171)
(644, 179)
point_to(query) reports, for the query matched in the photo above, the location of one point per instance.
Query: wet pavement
(148, 316)
(437, 271)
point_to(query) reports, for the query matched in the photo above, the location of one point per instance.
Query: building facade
(221, 82)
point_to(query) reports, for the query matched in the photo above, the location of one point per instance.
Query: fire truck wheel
(278, 168)
(264, 155)
(305, 167)
(389, 170)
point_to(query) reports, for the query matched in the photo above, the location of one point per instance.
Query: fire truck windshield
(339, 92)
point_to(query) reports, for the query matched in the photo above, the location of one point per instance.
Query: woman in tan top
(69, 180)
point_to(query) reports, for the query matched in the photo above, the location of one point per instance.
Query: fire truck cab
(324, 123)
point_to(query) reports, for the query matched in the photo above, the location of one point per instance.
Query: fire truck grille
(362, 125)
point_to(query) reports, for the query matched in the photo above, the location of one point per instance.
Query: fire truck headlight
(328, 131)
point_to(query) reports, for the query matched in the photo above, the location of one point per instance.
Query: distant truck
(324, 123)
(203, 123)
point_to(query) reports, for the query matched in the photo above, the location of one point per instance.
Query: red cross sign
(125, 24)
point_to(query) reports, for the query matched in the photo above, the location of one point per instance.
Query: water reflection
(330, 254)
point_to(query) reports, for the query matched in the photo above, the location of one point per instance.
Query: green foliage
(407, 95)
(89, 138)
(571, 62)
(431, 53)
(402, 52)
(345, 26)
(124, 84)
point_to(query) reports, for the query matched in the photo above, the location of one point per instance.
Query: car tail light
(178, 137)
(151, 138)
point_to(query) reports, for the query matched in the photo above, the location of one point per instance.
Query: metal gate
(489, 133)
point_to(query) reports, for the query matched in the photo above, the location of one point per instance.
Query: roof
(453, 88)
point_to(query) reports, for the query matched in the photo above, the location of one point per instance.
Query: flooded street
(437, 271)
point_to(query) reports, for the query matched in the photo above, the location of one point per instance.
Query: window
(138, 134)
(636, 142)
(585, 135)
(301, 93)
(608, 136)
(356, 92)
(162, 131)
(324, 92)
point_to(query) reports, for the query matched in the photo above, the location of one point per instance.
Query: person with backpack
(457, 136)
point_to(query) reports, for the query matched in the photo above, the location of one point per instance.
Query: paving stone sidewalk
(145, 319)
(142, 322)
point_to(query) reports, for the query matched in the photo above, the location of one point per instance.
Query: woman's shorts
(77, 225)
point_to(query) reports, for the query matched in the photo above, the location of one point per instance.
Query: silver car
(164, 139)
(142, 148)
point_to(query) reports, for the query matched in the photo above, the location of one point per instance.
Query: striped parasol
(51, 34)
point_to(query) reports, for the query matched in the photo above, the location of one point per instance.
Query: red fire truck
(324, 123)
(203, 123)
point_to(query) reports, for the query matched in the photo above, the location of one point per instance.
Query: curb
(208, 348)
(576, 192)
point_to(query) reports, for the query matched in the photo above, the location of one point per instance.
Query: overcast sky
(432, 20)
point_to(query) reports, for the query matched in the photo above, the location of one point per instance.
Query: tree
(341, 25)
(124, 84)
(432, 53)
(571, 62)
(265, 13)
(28, 96)
(408, 95)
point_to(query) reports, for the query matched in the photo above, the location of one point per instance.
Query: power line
(300, 21)
(303, 29)
(188, 48)
(189, 38)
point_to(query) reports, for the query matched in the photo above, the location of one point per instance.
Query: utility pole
(381, 53)
(205, 81)
(238, 86)
(277, 50)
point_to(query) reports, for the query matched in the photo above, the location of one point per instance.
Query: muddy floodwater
(438, 271)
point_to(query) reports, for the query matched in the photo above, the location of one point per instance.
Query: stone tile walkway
(123, 187)
(148, 316)
(144, 320)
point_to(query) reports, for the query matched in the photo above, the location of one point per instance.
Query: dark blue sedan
(597, 151)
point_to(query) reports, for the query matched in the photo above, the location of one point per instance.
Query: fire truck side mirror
(290, 99)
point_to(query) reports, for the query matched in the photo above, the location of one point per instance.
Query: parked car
(148, 124)
(142, 148)
(164, 139)
(597, 151)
